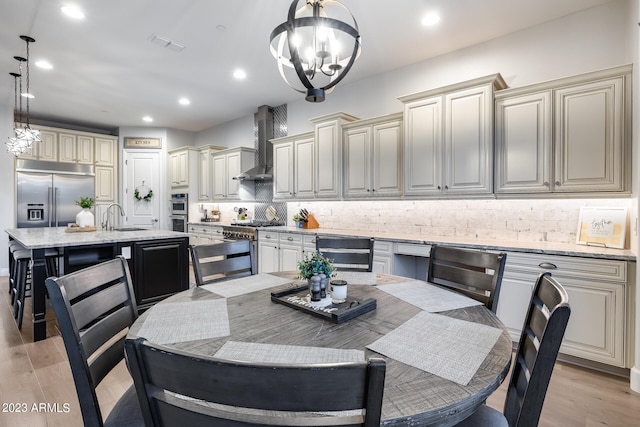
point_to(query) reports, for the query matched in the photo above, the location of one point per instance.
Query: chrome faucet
(105, 222)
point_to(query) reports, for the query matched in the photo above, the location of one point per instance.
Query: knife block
(311, 222)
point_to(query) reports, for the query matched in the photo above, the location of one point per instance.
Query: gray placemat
(356, 277)
(449, 348)
(285, 354)
(245, 285)
(186, 321)
(428, 297)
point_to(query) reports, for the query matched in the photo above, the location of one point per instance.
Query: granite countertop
(36, 238)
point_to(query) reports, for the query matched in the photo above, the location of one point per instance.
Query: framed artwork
(605, 227)
(142, 142)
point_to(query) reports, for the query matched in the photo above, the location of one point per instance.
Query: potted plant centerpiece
(317, 269)
(85, 218)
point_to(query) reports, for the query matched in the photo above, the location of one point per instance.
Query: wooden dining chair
(477, 274)
(180, 389)
(540, 340)
(94, 308)
(222, 261)
(347, 254)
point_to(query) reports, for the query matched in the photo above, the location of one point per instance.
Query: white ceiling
(107, 73)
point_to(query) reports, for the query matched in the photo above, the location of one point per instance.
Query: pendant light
(319, 49)
(25, 132)
(16, 145)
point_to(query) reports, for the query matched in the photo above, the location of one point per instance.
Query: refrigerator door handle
(55, 206)
(50, 204)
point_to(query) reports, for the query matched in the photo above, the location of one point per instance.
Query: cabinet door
(468, 157)
(66, 148)
(303, 168)
(48, 147)
(290, 256)
(268, 257)
(105, 152)
(515, 295)
(219, 177)
(357, 158)
(84, 150)
(234, 168)
(423, 146)
(387, 159)
(523, 143)
(328, 160)
(105, 184)
(589, 123)
(283, 170)
(204, 176)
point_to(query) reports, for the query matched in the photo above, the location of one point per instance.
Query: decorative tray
(298, 298)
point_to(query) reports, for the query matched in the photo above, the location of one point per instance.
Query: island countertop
(36, 238)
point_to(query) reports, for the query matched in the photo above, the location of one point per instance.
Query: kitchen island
(158, 261)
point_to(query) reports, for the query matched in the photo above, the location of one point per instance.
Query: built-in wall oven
(179, 212)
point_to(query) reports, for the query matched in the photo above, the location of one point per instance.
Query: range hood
(264, 170)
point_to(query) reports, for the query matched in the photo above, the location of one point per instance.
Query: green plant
(314, 264)
(146, 198)
(297, 218)
(86, 202)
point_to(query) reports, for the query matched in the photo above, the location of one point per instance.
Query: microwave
(179, 204)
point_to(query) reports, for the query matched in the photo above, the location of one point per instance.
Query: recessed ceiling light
(184, 101)
(27, 95)
(239, 74)
(45, 65)
(147, 119)
(72, 11)
(431, 18)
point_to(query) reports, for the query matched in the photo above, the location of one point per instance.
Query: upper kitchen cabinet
(293, 167)
(448, 139)
(328, 154)
(179, 165)
(205, 171)
(565, 136)
(227, 164)
(106, 151)
(46, 149)
(373, 157)
(74, 148)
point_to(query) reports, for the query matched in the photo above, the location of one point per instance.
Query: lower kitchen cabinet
(382, 257)
(279, 251)
(598, 329)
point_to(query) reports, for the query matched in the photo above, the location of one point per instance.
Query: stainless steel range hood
(262, 172)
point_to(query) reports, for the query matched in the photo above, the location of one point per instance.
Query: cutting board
(79, 229)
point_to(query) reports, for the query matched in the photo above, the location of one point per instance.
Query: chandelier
(25, 136)
(317, 50)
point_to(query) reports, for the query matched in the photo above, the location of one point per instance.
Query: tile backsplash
(537, 220)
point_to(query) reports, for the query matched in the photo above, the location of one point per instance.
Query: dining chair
(180, 389)
(347, 254)
(477, 274)
(222, 261)
(540, 340)
(94, 308)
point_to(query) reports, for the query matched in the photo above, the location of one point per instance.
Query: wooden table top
(411, 396)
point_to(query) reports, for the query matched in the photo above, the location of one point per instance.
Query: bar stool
(21, 263)
(13, 246)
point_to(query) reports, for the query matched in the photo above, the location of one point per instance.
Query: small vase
(314, 288)
(324, 281)
(338, 291)
(85, 218)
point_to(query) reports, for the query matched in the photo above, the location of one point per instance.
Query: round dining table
(413, 396)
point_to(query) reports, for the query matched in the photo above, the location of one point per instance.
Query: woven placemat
(186, 321)
(449, 348)
(356, 277)
(428, 297)
(245, 285)
(285, 354)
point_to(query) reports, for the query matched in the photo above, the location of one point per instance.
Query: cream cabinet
(373, 157)
(328, 155)
(106, 151)
(74, 148)
(566, 136)
(46, 149)
(448, 139)
(383, 257)
(293, 167)
(279, 251)
(226, 165)
(179, 167)
(598, 290)
(105, 184)
(205, 171)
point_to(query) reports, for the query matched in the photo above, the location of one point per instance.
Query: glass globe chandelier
(317, 50)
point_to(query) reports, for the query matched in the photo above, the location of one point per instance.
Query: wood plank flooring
(38, 373)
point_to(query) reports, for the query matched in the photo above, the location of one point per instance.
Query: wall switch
(126, 252)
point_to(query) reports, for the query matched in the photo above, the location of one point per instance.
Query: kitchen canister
(338, 291)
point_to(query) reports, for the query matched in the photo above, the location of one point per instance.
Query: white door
(141, 172)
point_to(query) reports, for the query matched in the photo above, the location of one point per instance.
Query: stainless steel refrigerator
(47, 192)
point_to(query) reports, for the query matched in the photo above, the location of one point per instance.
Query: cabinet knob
(290, 239)
(547, 266)
(446, 187)
(268, 236)
(558, 183)
(368, 190)
(439, 188)
(546, 183)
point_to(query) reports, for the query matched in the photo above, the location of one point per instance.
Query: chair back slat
(347, 254)
(92, 306)
(222, 261)
(477, 274)
(251, 386)
(543, 330)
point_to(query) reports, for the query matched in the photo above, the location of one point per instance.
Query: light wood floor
(38, 373)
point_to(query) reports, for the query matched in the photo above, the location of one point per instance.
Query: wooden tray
(336, 313)
(79, 229)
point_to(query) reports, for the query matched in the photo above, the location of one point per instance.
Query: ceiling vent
(166, 43)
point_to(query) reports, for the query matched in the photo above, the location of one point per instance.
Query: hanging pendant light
(14, 144)
(25, 132)
(319, 49)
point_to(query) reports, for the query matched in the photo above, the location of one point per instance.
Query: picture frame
(142, 142)
(602, 226)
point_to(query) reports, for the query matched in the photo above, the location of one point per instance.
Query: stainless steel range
(247, 230)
